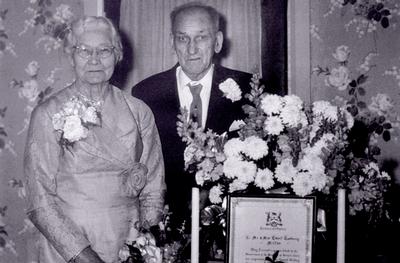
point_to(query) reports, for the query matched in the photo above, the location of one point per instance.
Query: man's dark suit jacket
(160, 93)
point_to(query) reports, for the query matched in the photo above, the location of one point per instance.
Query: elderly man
(196, 38)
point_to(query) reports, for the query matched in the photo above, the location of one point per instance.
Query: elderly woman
(93, 160)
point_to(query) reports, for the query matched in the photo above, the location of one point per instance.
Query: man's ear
(219, 39)
(171, 41)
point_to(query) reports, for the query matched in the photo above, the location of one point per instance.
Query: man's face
(195, 42)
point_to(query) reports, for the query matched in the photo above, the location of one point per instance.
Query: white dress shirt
(185, 96)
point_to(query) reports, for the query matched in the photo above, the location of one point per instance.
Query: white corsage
(75, 118)
(231, 90)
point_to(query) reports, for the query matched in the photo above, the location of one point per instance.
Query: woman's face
(94, 57)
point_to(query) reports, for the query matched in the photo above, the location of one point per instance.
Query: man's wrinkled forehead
(185, 19)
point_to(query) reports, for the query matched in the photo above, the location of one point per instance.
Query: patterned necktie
(195, 107)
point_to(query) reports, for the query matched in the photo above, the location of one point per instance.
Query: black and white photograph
(199, 131)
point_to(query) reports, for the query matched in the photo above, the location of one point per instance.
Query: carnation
(90, 115)
(215, 194)
(73, 129)
(231, 90)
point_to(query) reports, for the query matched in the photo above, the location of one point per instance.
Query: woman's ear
(219, 39)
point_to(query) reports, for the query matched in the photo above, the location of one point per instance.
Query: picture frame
(260, 225)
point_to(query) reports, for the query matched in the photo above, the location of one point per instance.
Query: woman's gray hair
(87, 23)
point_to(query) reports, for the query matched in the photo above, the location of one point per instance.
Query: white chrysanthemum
(72, 106)
(255, 147)
(231, 166)
(215, 194)
(58, 121)
(325, 110)
(292, 116)
(231, 90)
(302, 184)
(237, 185)
(271, 104)
(285, 171)
(90, 115)
(233, 147)
(273, 125)
(73, 129)
(311, 163)
(264, 179)
(246, 171)
(319, 181)
(293, 101)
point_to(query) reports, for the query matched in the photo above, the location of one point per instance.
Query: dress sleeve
(152, 196)
(42, 153)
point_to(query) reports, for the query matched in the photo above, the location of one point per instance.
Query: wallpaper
(32, 66)
(359, 38)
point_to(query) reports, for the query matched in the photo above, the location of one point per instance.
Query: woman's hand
(88, 255)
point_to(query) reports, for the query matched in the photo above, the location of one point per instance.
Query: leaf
(387, 126)
(2, 242)
(361, 79)
(2, 131)
(3, 34)
(353, 110)
(2, 45)
(345, 2)
(385, 12)
(377, 16)
(379, 6)
(381, 119)
(3, 14)
(361, 104)
(386, 135)
(375, 150)
(352, 91)
(353, 2)
(371, 14)
(379, 129)
(2, 143)
(361, 91)
(275, 255)
(353, 83)
(385, 22)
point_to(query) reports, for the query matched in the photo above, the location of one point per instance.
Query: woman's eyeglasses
(87, 52)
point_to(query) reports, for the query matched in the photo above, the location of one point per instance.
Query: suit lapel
(218, 105)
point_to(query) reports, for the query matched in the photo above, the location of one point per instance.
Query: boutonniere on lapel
(231, 90)
(75, 118)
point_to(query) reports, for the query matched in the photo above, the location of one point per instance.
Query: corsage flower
(74, 119)
(231, 90)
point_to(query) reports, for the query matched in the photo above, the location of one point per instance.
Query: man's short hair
(193, 6)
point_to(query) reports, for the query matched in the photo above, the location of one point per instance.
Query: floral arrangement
(159, 243)
(286, 146)
(75, 118)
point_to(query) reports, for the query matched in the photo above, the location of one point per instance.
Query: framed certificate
(259, 226)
